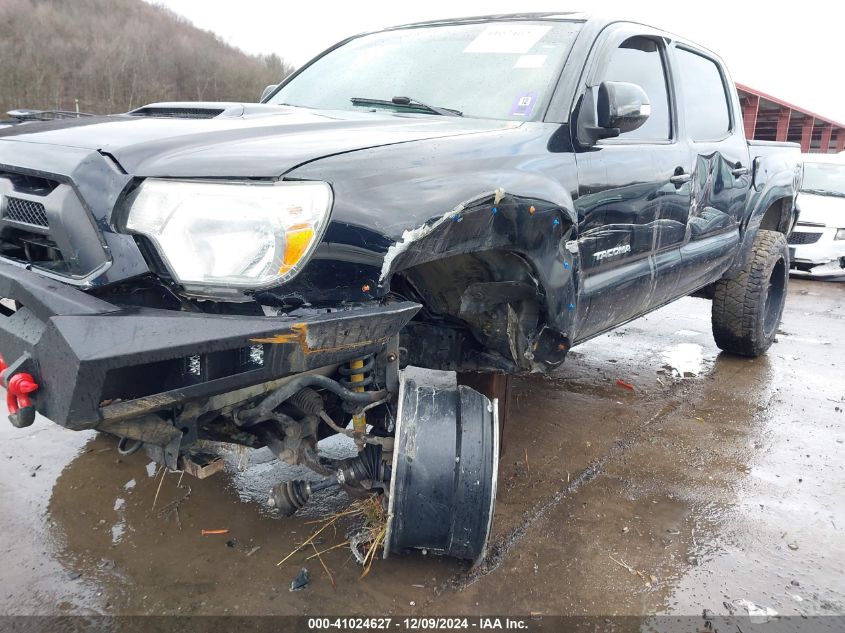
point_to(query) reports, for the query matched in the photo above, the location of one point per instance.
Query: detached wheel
(747, 310)
(445, 465)
(495, 387)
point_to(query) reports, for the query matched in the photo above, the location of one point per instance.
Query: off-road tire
(747, 310)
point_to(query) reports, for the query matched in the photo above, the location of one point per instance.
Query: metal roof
(770, 118)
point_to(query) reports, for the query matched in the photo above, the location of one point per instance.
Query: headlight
(231, 234)
(840, 234)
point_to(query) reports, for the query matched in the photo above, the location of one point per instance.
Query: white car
(817, 243)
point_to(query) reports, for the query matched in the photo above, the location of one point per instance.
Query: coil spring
(347, 373)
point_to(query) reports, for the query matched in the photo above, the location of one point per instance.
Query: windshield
(826, 179)
(496, 70)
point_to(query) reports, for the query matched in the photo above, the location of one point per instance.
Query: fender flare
(536, 229)
(478, 235)
(774, 183)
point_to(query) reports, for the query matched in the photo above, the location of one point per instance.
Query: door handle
(739, 170)
(680, 179)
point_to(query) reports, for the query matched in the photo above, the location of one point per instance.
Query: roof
(786, 104)
(561, 16)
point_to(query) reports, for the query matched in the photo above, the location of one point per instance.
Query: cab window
(706, 111)
(639, 60)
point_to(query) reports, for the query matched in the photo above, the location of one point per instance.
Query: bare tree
(115, 55)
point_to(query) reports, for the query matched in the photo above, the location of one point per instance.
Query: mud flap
(445, 465)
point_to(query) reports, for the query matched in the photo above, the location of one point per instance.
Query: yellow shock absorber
(359, 422)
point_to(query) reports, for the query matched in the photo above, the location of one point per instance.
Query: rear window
(705, 100)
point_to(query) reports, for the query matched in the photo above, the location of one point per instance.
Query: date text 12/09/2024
(413, 624)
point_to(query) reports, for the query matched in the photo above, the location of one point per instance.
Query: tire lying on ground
(445, 466)
(747, 310)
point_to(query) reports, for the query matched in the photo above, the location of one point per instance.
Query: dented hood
(244, 141)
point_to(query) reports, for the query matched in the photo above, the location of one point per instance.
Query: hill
(115, 55)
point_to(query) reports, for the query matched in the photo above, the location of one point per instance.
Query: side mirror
(621, 106)
(269, 89)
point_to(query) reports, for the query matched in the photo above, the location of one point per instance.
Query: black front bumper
(95, 361)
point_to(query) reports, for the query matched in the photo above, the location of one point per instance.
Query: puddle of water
(730, 499)
(684, 360)
(32, 580)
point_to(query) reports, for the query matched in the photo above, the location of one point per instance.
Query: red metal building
(768, 118)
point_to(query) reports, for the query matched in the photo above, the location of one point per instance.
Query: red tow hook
(18, 388)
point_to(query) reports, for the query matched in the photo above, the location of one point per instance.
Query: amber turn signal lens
(297, 240)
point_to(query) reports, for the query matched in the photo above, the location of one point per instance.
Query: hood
(228, 140)
(816, 209)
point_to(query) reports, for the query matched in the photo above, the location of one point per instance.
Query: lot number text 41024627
(417, 624)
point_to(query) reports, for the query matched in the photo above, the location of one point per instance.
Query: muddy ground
(716, 480)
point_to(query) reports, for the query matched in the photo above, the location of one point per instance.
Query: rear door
(721, 177)
(633, 197)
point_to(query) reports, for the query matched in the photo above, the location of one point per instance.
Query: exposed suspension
(290, 496)
(357, 376)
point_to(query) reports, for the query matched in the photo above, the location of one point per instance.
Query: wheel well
(493, 297)
(441, 284)
(779, 216)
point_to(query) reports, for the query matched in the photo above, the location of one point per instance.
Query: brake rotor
(445, 465)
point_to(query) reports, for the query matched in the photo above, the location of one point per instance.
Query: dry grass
(163, 470)
(366, 540)
(370, 536)
(325, 569)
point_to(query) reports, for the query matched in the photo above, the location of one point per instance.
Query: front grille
(25, 211)
(31, 185)
(44, 223)
(30, 248)
(803, 237)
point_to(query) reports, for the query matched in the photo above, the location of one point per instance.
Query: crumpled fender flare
(774, 180)
(538, 229)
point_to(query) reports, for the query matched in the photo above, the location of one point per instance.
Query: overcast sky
(795, 54)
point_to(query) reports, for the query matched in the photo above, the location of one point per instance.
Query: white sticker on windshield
(507, 38)
(530, 61)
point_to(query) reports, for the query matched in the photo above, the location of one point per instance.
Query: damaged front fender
(499, 264)
(427, 222)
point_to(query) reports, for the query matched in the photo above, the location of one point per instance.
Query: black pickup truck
(409, 219)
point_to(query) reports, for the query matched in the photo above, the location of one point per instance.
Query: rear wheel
(747, 310)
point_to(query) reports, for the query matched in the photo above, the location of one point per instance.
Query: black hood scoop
(188, 110)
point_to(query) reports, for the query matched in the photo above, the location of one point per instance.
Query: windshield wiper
(406, 102)
(824, 192)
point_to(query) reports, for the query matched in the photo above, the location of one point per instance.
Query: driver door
(633, 197)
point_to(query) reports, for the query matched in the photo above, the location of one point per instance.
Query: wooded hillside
(115, 55)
